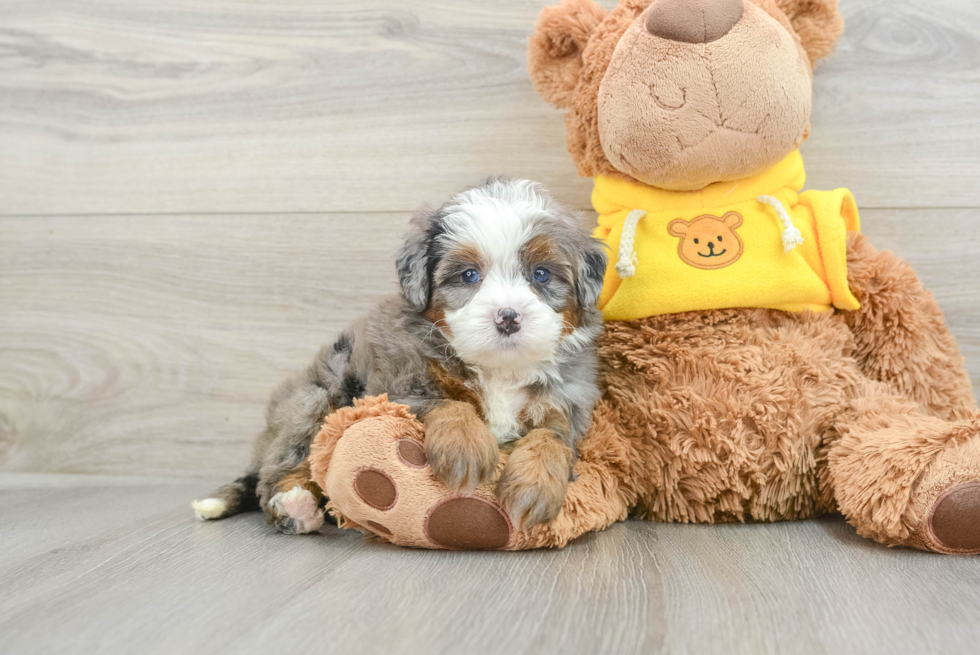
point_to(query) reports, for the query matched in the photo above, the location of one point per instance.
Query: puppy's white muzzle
(505, 325)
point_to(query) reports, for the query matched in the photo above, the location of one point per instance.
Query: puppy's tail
(230, 499)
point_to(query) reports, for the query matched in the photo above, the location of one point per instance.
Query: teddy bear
(761, 361)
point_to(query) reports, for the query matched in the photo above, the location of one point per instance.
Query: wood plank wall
(195, 195)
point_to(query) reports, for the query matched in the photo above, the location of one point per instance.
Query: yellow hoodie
(753, 243)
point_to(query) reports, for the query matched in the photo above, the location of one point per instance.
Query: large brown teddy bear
(839, 389)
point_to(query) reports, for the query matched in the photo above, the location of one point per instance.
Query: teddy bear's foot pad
(468, 524)
(955, 519)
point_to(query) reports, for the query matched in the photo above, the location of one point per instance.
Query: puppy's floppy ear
(818, 23)
(555, 53)
(591, 270)
(412, 259)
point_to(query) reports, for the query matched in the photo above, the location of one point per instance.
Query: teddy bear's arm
(902, 336)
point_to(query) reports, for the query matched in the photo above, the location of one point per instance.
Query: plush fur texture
(757, 415)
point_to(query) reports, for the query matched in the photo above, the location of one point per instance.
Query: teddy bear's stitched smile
(711, 248)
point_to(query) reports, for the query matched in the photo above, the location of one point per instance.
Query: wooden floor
(115, 565)
(194, 195)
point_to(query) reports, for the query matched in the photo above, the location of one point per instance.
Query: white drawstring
(792, 237)
(626, 266)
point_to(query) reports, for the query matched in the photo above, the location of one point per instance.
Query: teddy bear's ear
(555, 52)
(733, 220)
(818, 24)
(678, 228)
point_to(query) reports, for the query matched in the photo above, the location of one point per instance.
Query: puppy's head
(510, 276)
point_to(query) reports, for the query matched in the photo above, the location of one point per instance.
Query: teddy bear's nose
(693, 21)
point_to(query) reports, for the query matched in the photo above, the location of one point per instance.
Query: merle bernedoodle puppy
(491, 344)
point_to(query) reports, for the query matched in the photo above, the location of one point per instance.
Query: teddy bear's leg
(296, 506)
(901, 334)
(902, 477)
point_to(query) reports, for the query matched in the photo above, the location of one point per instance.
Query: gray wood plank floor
(93, 565)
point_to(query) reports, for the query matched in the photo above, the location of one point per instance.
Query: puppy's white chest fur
(503, 400)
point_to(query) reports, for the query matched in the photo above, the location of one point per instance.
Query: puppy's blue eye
(541, 275)
(470, 276)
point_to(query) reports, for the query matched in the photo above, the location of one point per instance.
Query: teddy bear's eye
(696, 241)
(719, 239)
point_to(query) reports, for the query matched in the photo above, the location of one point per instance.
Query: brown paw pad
(376, 488)
(412, 454)
(955, 520)
(468, 524)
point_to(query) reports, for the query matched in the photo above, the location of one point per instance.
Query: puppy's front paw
(296, 511)
(533, 484)
(461, 451)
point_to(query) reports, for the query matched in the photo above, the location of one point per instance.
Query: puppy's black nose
(508, 321)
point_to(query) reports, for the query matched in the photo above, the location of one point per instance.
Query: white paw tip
(301, 506)
(209, 508)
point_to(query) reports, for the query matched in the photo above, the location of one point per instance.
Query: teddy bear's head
(679, 94)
